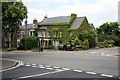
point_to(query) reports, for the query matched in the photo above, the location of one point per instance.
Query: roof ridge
(58, 16)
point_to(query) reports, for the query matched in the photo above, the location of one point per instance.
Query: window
(48, 34)
(60, 34)
(43, 33)
(31, 33)
(56, 33)
(40, 34)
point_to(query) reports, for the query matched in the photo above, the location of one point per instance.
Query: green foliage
(62, 24)
(11, 49)
(109, 31)
(90, 35)
(31, 42)
(35, 33)
(85, 44)
(73, 17)
(13, 14)
(85, 25)
(77, 41)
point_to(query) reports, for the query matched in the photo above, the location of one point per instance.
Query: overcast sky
(96, 11)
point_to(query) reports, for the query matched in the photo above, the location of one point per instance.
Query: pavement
(114, 51)
(27, 71)
(93, 63)
(9, 64)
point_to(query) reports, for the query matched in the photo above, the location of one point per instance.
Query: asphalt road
(85, 61)
(27, 71)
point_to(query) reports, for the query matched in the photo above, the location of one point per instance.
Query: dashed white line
(41, 67)
(56, 67)
(47, 66)
(34, 66)
(105, 75)
(77, 70)
(65, 69)
(28, 65)
(91, 73)
(50, 68)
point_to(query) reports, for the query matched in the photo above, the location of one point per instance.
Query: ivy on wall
(62, 31)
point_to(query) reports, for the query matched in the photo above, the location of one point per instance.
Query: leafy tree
(109, 31)
(77, 41)
(85, 44)
(13, 14)
(88, 34)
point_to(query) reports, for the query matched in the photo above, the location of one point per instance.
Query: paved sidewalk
(7, 64)
(114, 51)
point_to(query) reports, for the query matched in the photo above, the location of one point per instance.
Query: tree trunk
(3, 40)
(14, 39)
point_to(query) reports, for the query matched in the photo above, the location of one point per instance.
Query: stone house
(56, 30)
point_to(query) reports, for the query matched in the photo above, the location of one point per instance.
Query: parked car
(66, 47)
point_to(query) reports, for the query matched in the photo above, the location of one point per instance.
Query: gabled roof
(53, 20)
(78, 21)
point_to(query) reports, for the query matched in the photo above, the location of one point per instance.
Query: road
(85, 64)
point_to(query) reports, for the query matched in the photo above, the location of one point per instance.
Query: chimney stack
(45, 17)
(35, 21)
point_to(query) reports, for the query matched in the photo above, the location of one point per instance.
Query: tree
(109, 31)
(13, 14)
(88, 34)
(85, 44)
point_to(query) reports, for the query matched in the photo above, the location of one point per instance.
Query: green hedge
(11, 49)
(30, 42)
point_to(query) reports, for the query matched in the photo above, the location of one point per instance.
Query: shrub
(85, 44)
(30, 42)
(11, 49)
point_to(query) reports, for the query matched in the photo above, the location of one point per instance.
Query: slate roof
(52, 20)
(29, 26)
(78, 21)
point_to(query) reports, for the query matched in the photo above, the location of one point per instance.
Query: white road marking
(22, 64)
(41, 67)
(77, 70)
(28, 65)
(56, 67)
(65, 69)
(91, 73)
(105, 75)
(50, 68)
(18, 65)
(34, 66)
(38, 75)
